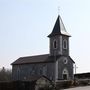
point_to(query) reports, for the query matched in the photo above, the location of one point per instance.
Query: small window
(55, 44)
(65, 44)
(65, 61)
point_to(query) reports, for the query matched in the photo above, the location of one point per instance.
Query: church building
(57, 65)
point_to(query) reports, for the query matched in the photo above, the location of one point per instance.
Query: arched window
(64, 44)
(44, 70)
(55, 44)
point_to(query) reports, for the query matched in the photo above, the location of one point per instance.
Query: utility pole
(75, 69)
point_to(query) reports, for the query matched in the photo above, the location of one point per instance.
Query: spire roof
(59, 28)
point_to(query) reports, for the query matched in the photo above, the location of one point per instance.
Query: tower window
(55, 44)
(65, 44)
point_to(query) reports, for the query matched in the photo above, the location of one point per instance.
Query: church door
(65, 74)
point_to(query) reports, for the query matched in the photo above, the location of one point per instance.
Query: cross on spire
(58, 10)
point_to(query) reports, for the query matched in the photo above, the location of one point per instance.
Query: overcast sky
(25, 25)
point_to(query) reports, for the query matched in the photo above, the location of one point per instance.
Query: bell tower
(59, 39)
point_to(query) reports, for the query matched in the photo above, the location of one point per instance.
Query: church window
(65, 44)
(18, 73)
(65, 61)
(44, 69)
(41, 71)
(55, 44)
(33, 72)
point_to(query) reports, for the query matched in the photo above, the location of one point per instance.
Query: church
(56, 66)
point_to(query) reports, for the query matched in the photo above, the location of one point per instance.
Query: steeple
(59, 39)
(59, 28)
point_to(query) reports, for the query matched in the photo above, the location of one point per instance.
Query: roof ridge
(34, 55)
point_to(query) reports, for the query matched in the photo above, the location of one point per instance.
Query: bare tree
(5, 74)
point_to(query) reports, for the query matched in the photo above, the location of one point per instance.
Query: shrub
(64, 84)
(84, 82)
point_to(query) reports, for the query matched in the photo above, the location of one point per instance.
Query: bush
(76, 83)
(45, 88)
(64, 84)
(84, 82)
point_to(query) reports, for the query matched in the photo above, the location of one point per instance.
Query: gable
(66, 57)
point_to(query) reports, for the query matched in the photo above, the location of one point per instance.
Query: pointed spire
(59, 28)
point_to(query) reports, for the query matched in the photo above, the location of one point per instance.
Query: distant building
(57, 65)
(82, 75)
